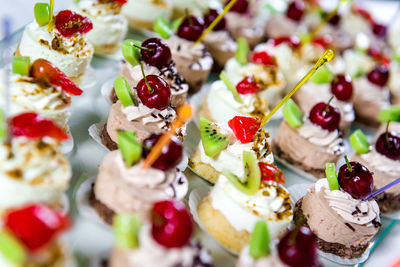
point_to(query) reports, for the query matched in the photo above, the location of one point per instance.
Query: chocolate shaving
(351, 227)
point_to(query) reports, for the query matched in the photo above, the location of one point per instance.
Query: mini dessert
(33, 168)
(222, 146)
(29, 238)
(109, 25)
(42, 88)
(165, 241)
(60, 41)
(383, 160)
(236, 203)
(311, 142)
(394, 81)
(392, 115)
(123, 186)
(155, 56)
(335, 211)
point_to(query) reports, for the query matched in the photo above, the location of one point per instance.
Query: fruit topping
(36, 225)
(130, 149)
(390, 114)
(324, 41)
(170, 156)
(21, 65)
(44, 71)
(295, 10)
(244, 128)
(42, 13)
(250, 182)
(12, 249)
(155, 52)
(126, 229)
(228, 83)
(211, 16)
(3, 125)
(293, 41)
(271, 173)
(248, 86)
(130, 51)
(322, 75)
(212, 140)
(331, 176)
(388, 144)
(325, 115)
(124, 91)
(191, 28)
(154, 92)
(240, 6)
(355, 179)
(122, 2)
(379, 30)
(292, 114)
(264, 58)
(242, 51)
(342, 87)
(259, 241)
(172, 225)
(68, 23)
(32, 125)
(162, 27)
(379, 76)
(359, 142)
(334, 20)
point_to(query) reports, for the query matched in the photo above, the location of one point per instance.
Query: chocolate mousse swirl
(187, 49)
(162, 118)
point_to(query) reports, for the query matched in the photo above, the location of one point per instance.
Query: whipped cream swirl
(221, 39)
(372, 92)
(162, 118)
(382, 163)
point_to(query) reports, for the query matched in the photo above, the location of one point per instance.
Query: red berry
(324, 41)
(191, 28)
(365, 14)
(379, 56)
(295, 10)
(44, 71)
(358, 181)
(157, 52)
(263, 58)
(170, 156)
(293, 41)
(32, 125)
(158, 96)
(379, 30)
(379, 76)
(244, 128)
(335, 20)
(211, 16)
(388, 144)
(248, 86)
(68, 23)
(241, 6)
(326, 119)
(122, 2)
(172, 225)
(36, 225)
(342, 87)
(270, 172)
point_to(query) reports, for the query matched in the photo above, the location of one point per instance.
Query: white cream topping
(221, 39)
(372, 92)
(382, 163)
(272, 260)
(147, 10)
(394, 77)
(357, 62)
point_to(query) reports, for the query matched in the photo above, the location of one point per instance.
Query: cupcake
(236, 203)
(63, 45)
(335, 212)
(109, 25)
(33, 168)
(122, 186)
(222, 146)
(309, 143)
(163, 241)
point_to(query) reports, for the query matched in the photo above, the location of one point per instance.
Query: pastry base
(203, 169)
(332, 248)
(220, 228)
(102, 210)
(106, 139)
(388, 203)
(106, 49)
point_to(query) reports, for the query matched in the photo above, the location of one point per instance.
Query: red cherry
(248, 86)
(158, 97)
(191, 28)
(357, 180)
(388, 144)
(264, 58)
(342, 87)
(68, 23)
(44, 71)
(326, 116)
(298, 247)
(211, 16)
(244, 128)
(324, 41)
(172, 225)
(122, 2)
(335, 20)
(157, 52)
(379, 30)
(36, 225)
(293, 41)
(32, 125)
(270, 172)
(295, 10)
(170, 156)
(379, 76)
(241, 6)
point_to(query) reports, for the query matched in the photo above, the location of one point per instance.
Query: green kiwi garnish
(259, 241)
(322, 75)
(126, 229)
(21, 65)
(130, 149)
(242, 51)
(12, 249)
(231, 87)
(359, 142)
(213, 141)
(331, 176)
(292, 114)
(130, 51)
(162, 27)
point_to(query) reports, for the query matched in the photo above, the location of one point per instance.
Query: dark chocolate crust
(388, 203)
(113, 96)
(102, 210)
(333, 248)
(106, 139)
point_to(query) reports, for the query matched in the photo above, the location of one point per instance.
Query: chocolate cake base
(388, 203)
(276, 150)
(333, 248)
(102, 210)
(113, 96)
(106, 139)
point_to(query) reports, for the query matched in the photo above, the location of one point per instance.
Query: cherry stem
(348, 164)
(144, 77)
(387, 133)
(293, 236)
(143, 48)
(381, 190)
(189, 17)
(327, 105)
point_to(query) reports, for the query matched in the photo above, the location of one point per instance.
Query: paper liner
(106, 89)
(195, 197)
(64, 204)
(296, 193)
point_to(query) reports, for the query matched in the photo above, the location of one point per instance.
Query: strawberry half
(263, 58)
(244, 128)
(248, 86)
(44, 71)
(270, 172)
(32, 125)
(293, 41)
(122, 2)
(68, 23)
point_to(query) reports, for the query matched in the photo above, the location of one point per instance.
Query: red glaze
(157, 52)
(295, 10)
(342, 87)
(388, 144)
(293, 41)
(172, 225)
(32, 125)
(248, 86)
(44, 71)
(241, 6)
(191, 28)
(211, 16)
(326, 120)
(270, 172)
(263, 58)
(68, 23)
(159, 97)
(244, 128)
(122, 2)
(358, 182)
(379, 76)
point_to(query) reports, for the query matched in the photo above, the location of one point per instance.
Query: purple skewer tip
(381, 190)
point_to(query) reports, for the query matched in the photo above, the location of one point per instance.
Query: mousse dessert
(123, 186)
(335, 211)
(236, 203)
(394, 82)
(109, 25)
(222, 146)
(62, 41)
(309, 143)
(163, 241)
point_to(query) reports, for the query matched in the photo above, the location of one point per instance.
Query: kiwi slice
(42, 11)
(130, 149)
(322, 75)
(330, 171)
(242, 51)
(259, 241)
(359, 142)
(292, 114)
(3, 125)
(250, 183)
(126, 229)
(124, 91)
(162, 27)
(12, 249)
(390, 114)
(213, 141)
(230, 86)
(130, 51)
(21, 65)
